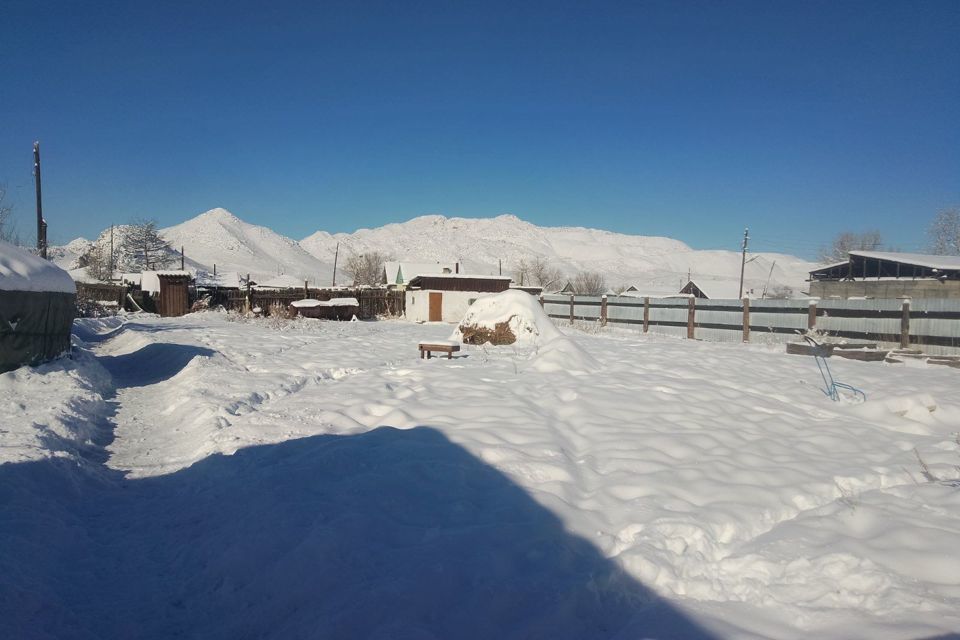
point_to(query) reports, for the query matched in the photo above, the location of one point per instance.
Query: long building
(884, 274)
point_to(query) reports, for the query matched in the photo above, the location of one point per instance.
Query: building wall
(885, 289)
(454, 305)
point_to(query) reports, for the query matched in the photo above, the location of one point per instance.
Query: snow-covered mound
(516, 317)
(23, 271)
(506, 318)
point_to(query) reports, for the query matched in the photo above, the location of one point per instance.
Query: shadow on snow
(151, 364)
(386, 534)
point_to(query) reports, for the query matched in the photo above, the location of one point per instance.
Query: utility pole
(743, 259)
(41, 223)
(181, 258)
(335, 256)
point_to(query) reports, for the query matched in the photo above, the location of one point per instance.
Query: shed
(174, 297)
(446, 297)
(37, 308)
(888, 274)
(332, 309)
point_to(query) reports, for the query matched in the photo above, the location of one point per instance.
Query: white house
(445, 297)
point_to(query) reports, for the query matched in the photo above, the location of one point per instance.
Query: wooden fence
(88, 292)
(929, 324)
(373, 302)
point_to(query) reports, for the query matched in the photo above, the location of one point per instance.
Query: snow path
(717, 476)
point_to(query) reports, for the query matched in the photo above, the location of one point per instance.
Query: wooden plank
(746, 319)
(691, 316)
(646, 315)
(603, 311)
(905, 324)
(812, 316)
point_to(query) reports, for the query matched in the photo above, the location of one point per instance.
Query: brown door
(436, 306)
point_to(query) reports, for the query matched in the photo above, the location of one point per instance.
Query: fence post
(571, 308)
(905, 325)
(746, 319)
(812, 315)
(691, 315)
(603, 311)
(646, 314)
(541, 301)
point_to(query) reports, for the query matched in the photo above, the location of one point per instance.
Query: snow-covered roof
(229, 279)
(307, 303)
(150, 280)
(721, 289)
(467, 276)
(919, 259)
(23, 271)
(82, 274)
(403, 272)
(281, 282)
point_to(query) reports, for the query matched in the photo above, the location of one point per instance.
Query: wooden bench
(441, 347)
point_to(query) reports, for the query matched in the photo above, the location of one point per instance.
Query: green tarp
(34, 326)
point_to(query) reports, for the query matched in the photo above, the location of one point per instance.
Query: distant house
(280, 282)
(38, 302)
(885, 274)
(445, 297)
(399, 274)
(715, 290)
(332, 309)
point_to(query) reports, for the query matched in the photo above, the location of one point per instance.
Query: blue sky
(685, 119)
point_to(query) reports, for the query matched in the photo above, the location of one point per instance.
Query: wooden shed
(174, 297)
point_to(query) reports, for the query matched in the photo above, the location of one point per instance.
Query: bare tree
(366, 268)
(589, 283)
(8, 232)
(97, 262)
(944, 233)
(521, 272)
(144, 249)
(848, 241)
(542, 273)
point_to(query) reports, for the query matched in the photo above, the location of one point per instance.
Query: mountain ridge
(654, 264)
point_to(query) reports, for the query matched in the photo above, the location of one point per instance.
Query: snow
(23, 271)
(521, 311)
(280, 282)
(210, 476)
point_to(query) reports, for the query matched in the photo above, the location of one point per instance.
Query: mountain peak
(218, 213)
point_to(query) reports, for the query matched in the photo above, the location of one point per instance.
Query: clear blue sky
(684, 119)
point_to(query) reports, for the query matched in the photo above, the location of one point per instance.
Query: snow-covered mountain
(655, 265)
(219, 238)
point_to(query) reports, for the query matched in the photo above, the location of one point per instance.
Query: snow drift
(516, 317)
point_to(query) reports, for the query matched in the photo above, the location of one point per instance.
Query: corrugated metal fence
(929, 324)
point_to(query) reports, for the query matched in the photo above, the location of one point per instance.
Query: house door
(436, 306)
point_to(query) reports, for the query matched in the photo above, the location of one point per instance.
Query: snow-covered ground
(669, 489)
